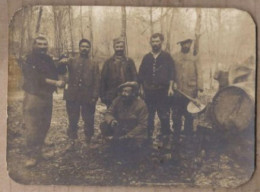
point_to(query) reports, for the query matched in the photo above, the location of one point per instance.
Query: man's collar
(84, 56)
(119, 56)
(155, 55)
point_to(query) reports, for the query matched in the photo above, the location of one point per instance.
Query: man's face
(119, 48)
(41, 46)
(127, 93)
(156, 44)
(185, 47)
(84, 48)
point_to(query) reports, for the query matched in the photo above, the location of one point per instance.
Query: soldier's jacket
(36, 68)
(188, 73)
(83, 79)
(157, 73)
(132, 118)
(116, 71)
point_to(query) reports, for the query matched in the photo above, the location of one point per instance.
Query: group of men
(119, 86)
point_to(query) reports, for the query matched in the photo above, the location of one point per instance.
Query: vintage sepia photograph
(131, 96)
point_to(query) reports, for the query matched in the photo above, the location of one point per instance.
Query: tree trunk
(39, 21)
(151, 20)
(197, 32)
(22, 35)
(81, 23)
(123, 30)
(162, 21)
(56, 32)
(71, 27)
(169, 32)
(91, 31)
(29, 26)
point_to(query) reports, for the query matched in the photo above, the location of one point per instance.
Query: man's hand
(170, 92)
(126, 137)
(141, 92)
(197, 102)
(64, 61)
(114, 123)
(175, 86)
(60, 84)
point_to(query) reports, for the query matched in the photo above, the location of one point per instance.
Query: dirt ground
(106, 163)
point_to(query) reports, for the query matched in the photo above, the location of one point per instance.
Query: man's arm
(133, 70)
(172, 76)
(199, 74)
(63, 64)
(56, 83)
(142, 122)
(96, 82)
(141, 78)
(103, 81)
(110, 113)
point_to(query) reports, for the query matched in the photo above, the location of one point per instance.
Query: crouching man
(126, 118)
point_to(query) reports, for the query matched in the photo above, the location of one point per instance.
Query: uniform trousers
(179, 109)
(37, 112)
(87, 111)
(157, 101)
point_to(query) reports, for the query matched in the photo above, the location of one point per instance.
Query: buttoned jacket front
(83, 80)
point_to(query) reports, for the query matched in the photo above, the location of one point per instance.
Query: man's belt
(155, 86)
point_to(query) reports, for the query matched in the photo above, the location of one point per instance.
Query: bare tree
(21, 34)
(81, 23)
(123, 30)
(197, 32)
(169, 32)
(162, 21)
(38, 25)
(91, 30)
(29, 24)
(151, 19)
(71, 27)
(60, 23)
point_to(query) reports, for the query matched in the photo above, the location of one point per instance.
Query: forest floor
(99, 164)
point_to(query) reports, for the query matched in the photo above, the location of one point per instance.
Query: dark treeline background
(223, 37)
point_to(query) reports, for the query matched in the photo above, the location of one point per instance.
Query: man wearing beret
(82, 91)
(116, 70)
(127, 116)
(189, 81)
(40, 81)
(156, 76)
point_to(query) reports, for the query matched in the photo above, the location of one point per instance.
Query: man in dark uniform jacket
(82, 91)
(116, 70)
(40, 81)
(156, 75)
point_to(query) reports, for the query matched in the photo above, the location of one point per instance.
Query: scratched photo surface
(131, 96)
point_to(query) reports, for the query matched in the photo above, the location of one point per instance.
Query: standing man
(82, 91)
(189, 81)
(40, 81)
(116, 70)
(156, 75)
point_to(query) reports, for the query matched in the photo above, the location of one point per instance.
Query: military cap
(185, 41)
(118, 40)
(132, 84)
